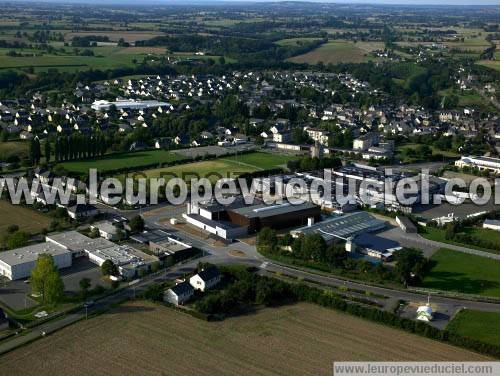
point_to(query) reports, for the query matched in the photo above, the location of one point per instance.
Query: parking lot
(15, 294)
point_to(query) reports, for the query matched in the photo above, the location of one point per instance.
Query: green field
(105, 57)
(463, 273)
(262, 161)
(471, 98)
(27, 219)
(226, 167)
(12, 148)
(493, 64)
(336, 52)
(482, 326)
(438, 235)
(435, 150)
(295, 41)
(123, 160)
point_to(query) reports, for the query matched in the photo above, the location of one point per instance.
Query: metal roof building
(18, 263)
(342, 227)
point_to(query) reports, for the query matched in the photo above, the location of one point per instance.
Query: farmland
(483, 326)
(28, 220)
(115, 35)
(463, 273)
(494, 64)
(105, 57)
(143, 338)
(336, 52)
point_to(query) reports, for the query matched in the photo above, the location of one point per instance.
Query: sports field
(123, 160)
(141, 338)
(483, 326)
(215, 169)
(463, 273)
(28, 220)
(224, 167)
(336, 52)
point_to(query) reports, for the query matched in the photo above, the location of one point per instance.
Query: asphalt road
(221, 255)
(429, 246)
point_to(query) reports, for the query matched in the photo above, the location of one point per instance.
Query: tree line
(312, 251)
(245, 290)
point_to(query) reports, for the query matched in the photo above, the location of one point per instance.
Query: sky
(405, 2)
(396, 2)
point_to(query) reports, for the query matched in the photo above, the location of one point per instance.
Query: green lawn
(435, 150)
(472, 98)
(11, 148)
(226, 167)
(482, 326)
(211, 169)
(437, 234)
(123, 160)
(28, 220)
(262, 161)
(460, 272)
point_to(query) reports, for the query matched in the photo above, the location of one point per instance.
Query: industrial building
(128, 104)
(239, 219)
(129, 260)
(18, 263)
(406, 224)
(78, 244)
(381, 187)
(481, 163)
(342, 227)
(492, 224)
(373, 246)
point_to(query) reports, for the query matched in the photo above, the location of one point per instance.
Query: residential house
(206, 279)
(179, 294)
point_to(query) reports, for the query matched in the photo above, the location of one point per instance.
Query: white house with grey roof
(179, 294)
(206, 279)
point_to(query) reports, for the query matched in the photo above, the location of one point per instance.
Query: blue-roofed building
(373, 246)
(342, 227)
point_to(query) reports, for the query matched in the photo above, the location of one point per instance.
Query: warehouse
(481, 163)
(373, 246)
(238, 218)
(127, 104)
(277, 216)
(342, 227)
(172, 248)
(77, 243)
(18, 263)
(128, 259)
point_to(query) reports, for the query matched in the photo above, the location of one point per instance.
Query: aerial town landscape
(232, 187)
